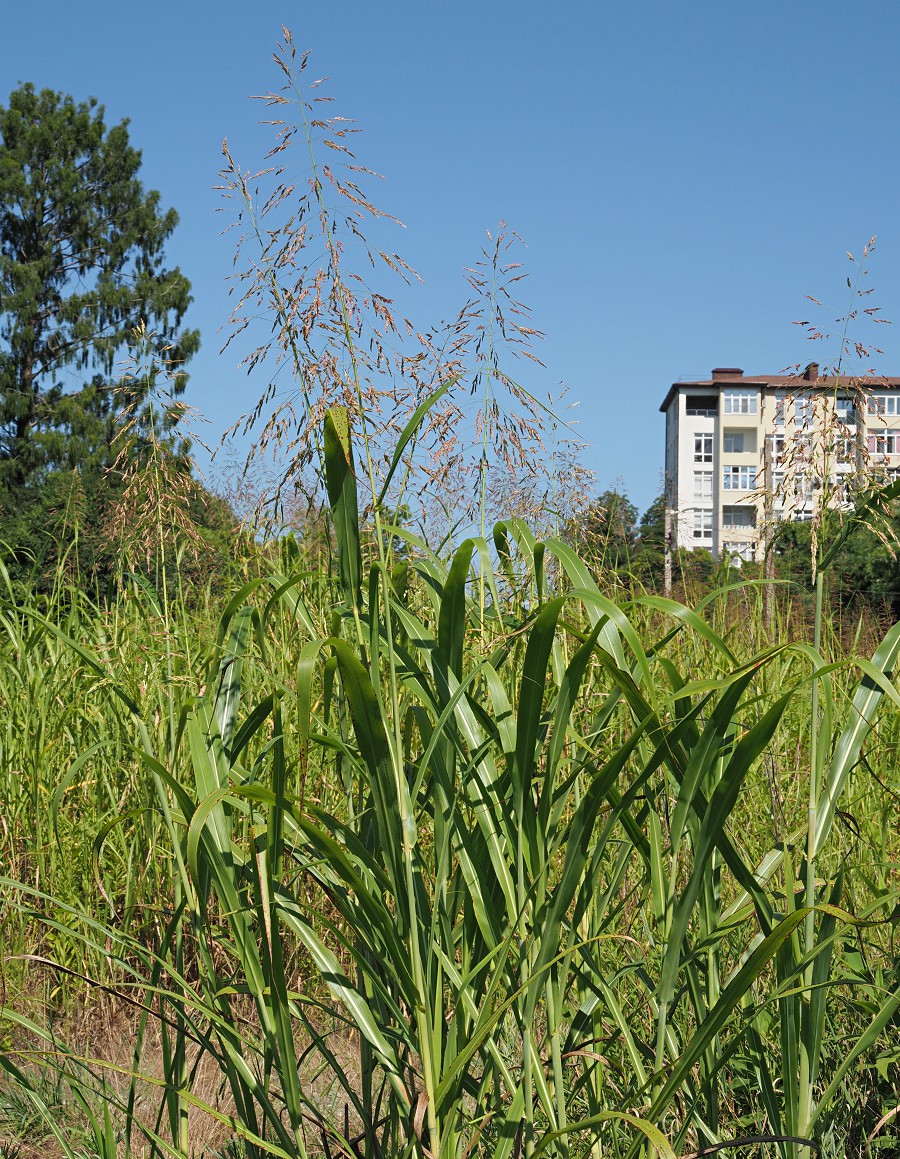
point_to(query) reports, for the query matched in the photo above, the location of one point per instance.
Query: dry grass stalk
(334, 333)
(303, 261)
(153, 465)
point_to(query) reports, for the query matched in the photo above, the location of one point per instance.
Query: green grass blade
(340, 482)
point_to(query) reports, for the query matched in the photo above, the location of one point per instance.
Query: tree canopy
(81, 265)
(83, 283)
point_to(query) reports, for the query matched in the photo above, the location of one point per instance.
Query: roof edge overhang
(793, 382)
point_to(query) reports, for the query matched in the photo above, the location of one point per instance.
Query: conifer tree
(81, 265)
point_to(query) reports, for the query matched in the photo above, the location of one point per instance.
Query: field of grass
(444, 855)
(434, 849)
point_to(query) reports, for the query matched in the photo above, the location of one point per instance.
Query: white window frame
(804, 411)
(847, 448)
(885, 404)
(845, 409)
(728, 517)
(887, 442)
(703, 488)
(738, 478)
(742, 550)
(740, 402)
(703, 524)
(802, 489)
(703, 447)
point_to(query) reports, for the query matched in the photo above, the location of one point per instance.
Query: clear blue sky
(683, 174)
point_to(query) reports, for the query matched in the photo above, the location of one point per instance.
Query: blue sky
(683, 174)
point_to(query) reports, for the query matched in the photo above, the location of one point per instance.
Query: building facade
(743, 451)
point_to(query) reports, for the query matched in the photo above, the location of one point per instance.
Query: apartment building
(744, 450)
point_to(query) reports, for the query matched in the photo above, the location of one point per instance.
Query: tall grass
(514, 861)
(438, 852)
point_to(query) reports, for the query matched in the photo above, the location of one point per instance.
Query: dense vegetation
(83, 285)
(389, 844)
(551, 856)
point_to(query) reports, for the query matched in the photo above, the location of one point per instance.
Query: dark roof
(726, 376)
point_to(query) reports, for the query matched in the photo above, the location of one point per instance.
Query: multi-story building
(744, 450)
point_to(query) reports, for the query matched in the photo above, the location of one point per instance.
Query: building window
(780, 396)
(733, 442)
(703, 487)
(845, 410)
(701, 404)
(738, 478)
(803, 410)
(884, 404)
(703, 448)
(703, 524)
(776, 447)
(799, 489)
(887, 443)
(740, 551)
(739, 402)
(736, 516)
(846, 449)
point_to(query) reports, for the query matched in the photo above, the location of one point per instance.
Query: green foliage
(864, 573)
(81, 267)
(605, 533)
(648, 559)
(68, 527)
(508, 879)
(624, 550)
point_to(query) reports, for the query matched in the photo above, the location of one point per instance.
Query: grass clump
(432, 880)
